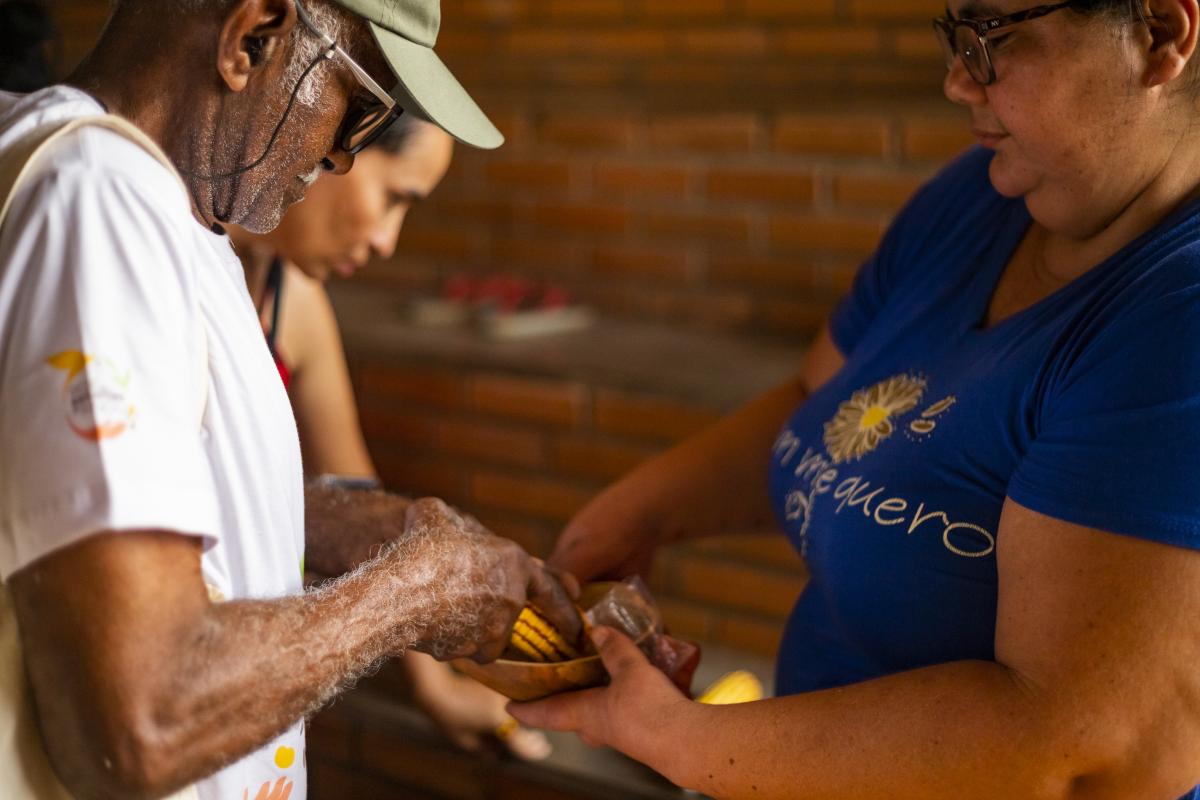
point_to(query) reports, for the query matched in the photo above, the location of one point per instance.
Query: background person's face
(347, 219)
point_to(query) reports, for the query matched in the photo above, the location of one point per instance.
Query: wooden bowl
(526, 680)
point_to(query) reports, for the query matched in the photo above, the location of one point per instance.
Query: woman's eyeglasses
(968, 38)
(364, 121)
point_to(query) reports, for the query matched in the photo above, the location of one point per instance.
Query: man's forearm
(254, 667)
(218, 682)
(343, 528)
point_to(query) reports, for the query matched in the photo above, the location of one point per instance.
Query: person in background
(344, 221)
(27, 36)
(989, 461)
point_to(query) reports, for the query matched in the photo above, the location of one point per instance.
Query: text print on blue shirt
(862, 424)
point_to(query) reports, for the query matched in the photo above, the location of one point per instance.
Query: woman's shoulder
(306, 320)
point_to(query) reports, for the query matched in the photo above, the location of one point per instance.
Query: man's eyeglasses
(968, 38)
(365, 121)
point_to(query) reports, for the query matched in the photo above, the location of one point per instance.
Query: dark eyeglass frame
(983, 71)
(372, 117)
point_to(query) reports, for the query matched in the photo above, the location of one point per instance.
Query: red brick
(726, 226)
(426, 769)
(585, 9)
(534, 536)
(686, 620)
(804, 316)
(658, 264)
(879, 190)
(771, 550)
(725, 41)
(753, 634)
(529, 174)
(826, 233)
(546, 499)
(936, 139)
(709, 132)
(478, 441)
(685, 8)
(589, 130)
(918, 44)
(440, 243)
(776, 185)
(420, 476)
(842, 135)
(912, 11)
(791, 9)
(736, 586)
(839, 41)
(425, 386)
(485, 11)
(578, 218)
(552, 402)
(556, 257)
(648, 416)
(597, 459)
(385, 422)
(767, 272)
(640, 179)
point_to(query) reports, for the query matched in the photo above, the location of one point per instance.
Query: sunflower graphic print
(867, 418)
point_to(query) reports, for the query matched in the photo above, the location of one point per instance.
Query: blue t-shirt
(890, 479)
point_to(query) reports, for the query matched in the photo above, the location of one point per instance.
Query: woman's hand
(608, 539)
(469, 713)
(630, 714)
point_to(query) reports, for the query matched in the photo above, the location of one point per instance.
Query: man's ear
(252, 34)
(1173, 27)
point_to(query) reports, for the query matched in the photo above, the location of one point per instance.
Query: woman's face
(347, 219)
(1077, 130)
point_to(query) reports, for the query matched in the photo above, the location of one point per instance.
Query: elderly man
(153, 528)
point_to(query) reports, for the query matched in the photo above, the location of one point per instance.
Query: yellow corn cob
(734, 687)
(537, 640)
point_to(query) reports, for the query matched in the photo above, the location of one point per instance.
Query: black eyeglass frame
(947, 27)
(364, 115)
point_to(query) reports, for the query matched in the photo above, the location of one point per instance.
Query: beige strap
(24, 770)
(20, 158)
(18, 161)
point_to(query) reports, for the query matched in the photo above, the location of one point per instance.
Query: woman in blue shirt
(990, 461)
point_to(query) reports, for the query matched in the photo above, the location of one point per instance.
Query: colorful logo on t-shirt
(867, 418)
(859, 427)
(280, 790)
(96, 395)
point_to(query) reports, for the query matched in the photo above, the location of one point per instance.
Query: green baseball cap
(406, 31)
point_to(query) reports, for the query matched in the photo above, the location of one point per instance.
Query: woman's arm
(1094, 694)
(714, 482)
(321, 393)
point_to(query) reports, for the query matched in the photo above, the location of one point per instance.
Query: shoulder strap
(17, 161)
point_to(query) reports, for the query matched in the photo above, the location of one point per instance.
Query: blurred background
(707, 175)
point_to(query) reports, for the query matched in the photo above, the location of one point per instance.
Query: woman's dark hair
(395, 139)
(27, 33)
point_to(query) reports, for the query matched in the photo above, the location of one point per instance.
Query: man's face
(318, 91)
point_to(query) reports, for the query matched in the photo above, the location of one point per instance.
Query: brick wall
(726, 163)
(718, 162)
(525, 453)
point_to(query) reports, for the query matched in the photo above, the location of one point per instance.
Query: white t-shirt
(118, 314)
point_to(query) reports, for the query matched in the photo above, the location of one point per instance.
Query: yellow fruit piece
(735, 687)
(538, 640)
